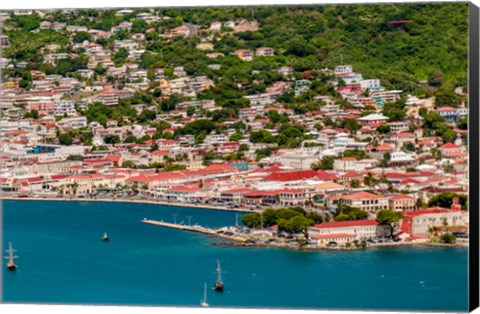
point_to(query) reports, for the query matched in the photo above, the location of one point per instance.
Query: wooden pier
(199, 229)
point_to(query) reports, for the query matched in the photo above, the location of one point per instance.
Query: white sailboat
(204, 301)
(11, 264)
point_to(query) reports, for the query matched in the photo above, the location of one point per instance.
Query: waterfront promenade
(194, 228)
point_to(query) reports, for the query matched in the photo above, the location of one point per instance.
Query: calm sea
(62, 259)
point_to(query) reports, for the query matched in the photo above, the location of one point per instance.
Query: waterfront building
(421, 223)
(359, 229)
(337, 238)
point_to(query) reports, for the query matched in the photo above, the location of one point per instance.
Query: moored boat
(203, 302)
(219, 283)
(11, 264)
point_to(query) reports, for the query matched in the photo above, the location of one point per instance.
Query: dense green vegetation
(390, 218)
(432, 47)
(294, 219)
(445, 200)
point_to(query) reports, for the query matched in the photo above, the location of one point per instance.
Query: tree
(345, 212)
(355, 184)
(75, 157)
(80, 37)
(325, 164)
(369, 180)
(447, 97)
(24, 84)
(419, 203)
(146, 115)
(463, 123)
(129, 164)
(112, 139)
(243, 148)
(383, 129)
(445, 200)
(436, 78)
(409, 147)
(251, 220)
(448, 238)
(395, 111)
(235, 137)
(296, 224)
(351, 124)
(31, 114)
(390, 218)
(190, 111)
(65, 139)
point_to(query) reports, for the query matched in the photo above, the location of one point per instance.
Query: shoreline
(243, 241)
(146, 201)
(239, 243)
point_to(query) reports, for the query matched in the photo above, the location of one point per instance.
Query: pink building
(244, 54)
(44, 108)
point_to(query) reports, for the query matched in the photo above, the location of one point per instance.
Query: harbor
(178, 261)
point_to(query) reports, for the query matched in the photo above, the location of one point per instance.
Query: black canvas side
(473, 104)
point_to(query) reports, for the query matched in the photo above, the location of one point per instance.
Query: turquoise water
(63, 260)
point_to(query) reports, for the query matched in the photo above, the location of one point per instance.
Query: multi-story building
(265, 52)
(65, 108)
(401, 202)
(343, 69)
(244, 54)
(359, 229)
(365, 201)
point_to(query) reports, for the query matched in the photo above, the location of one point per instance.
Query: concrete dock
(198, 229)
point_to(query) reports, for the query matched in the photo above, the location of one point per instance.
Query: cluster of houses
(32, 163)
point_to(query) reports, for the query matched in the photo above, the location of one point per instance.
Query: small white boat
(204, 301)
(105, 237)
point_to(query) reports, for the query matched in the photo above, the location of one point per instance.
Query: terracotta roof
(448, 146)
(160, 153)
(409, 181)
(85, 176)
(261, 193)
(446, 109)
(185, 189)
(401, 197)
(291, 175)
(333, 235)
(383, 147)
(239, 191)
(341, 224)
(352, 174)
(361, 195)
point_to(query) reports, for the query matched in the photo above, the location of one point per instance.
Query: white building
(343, 69)
(65, 107)
(360, 229)
(365, 201)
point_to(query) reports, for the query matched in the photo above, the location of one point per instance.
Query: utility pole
(261, 224)
(175, 218)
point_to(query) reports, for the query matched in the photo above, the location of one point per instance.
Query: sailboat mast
(219, 273)
(10, 252)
